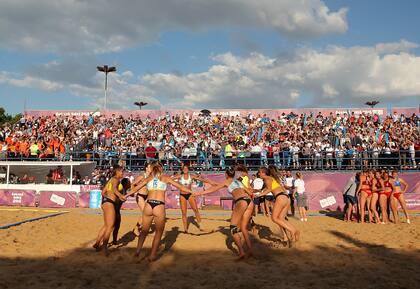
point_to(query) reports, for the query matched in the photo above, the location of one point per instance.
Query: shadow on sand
(362, 264)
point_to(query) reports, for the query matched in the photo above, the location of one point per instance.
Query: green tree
(6, 118)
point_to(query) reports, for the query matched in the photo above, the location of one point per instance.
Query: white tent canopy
(39, 170)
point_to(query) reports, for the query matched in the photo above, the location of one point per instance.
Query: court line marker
(30, 210)
(7, 226)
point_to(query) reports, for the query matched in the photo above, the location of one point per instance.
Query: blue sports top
(185, 182)
(156, 185)
(235, 184)
(397, 183)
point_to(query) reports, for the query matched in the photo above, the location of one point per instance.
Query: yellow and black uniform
(275, 185)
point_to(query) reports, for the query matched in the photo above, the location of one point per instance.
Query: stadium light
(106, 69)
(372, 103)
(140, 104)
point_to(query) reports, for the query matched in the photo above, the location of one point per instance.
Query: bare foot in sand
(249, 254)
(240, 258)
(97, 247)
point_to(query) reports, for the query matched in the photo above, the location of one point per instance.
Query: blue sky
(216, 55)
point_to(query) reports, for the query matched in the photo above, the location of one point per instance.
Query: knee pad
(234, 229)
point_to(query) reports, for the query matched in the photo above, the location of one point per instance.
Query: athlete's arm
(139, 186)
(212, 189)
(115, 183)
(405, 185)
(267, 183)
(138, 180)
(176, 184)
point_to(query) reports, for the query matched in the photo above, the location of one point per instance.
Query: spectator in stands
(151, 152)
(368, 140)
(301, 198)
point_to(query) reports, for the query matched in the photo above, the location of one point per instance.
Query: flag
(305, 119)
(386, 137)
(377, 135)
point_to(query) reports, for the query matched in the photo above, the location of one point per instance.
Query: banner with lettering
(21, 198)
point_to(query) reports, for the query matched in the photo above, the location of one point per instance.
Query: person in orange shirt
(9, 140)
(12, 150)
(49, 153)
(24, 149)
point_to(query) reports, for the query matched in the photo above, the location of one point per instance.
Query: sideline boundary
(7, 226)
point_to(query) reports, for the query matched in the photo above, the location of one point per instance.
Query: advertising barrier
(324, 191)
(57, 199)
(20, 198)
(271, 113)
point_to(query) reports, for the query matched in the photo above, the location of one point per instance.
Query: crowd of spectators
(306, 141)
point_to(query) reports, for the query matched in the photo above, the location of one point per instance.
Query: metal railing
(402, 160)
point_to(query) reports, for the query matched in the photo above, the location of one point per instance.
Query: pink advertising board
(272, 113)
(20, 198)
(84, 199)
(57, 199)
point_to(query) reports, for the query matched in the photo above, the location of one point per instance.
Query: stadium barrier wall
(272, 113)
(57, 199)
(324, 192)
(19, 198)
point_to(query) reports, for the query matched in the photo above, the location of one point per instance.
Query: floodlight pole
(106, 69)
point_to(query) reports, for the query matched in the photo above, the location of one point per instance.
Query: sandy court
(13, 215)
(56, 253)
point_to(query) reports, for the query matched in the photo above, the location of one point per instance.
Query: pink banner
(21, 198)
(88, 188)
(407, 111)
(272, 113)
(57, 200)
(84, 198)
(130, 204)
(413, 201)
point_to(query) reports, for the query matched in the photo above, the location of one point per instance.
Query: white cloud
(336, 75)
(395, 47)
(333, 76)
(29, 82)
(104, 25)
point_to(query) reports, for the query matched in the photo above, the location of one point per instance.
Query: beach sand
(56, 253)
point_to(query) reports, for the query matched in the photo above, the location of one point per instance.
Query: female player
(242, 172)
(281, 201)
(385, 195)
(186, 179)
(110, 194)
(141, 197)
(365, 191)
(398, 197)
(377, 186)
(154, 210)
(242, 209)
(123, 188)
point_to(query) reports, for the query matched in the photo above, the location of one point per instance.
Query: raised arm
(176, 177)
(213, 183)
(176, 184)
(139, 186)
(138, 179)
(267, 183)
(212, 189)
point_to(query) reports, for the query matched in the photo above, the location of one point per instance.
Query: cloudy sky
(209, 53)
